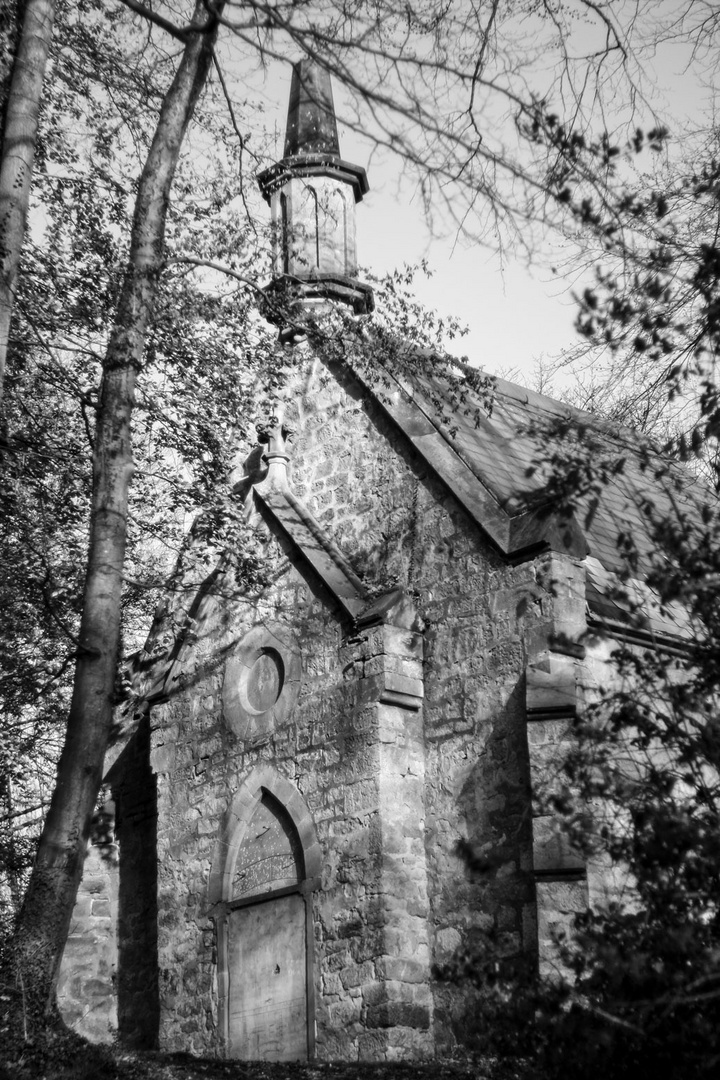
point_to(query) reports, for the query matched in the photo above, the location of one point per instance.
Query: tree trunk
(18, 153)
(47, 910)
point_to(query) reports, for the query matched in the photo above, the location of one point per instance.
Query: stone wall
(86, 985)
(391, 790)
(484, 621)
(399, 739)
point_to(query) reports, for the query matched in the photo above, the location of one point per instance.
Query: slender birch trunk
(18, 154)
(47, 909)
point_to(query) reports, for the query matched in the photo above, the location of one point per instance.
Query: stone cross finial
(276, 435)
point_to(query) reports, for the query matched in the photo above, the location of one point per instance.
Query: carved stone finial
(275, 435)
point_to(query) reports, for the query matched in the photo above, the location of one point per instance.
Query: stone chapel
(289, 798)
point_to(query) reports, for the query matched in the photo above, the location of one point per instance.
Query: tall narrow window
(311, 220)
(347, 260)
(284, 234)
(316, 211)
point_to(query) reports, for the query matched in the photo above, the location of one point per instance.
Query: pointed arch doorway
(264, 922)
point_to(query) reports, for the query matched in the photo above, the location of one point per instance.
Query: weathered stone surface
(86, 984)
(557, 904)
(401, 739)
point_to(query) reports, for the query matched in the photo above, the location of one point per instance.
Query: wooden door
(267, 984)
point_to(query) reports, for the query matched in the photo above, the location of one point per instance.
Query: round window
(262, 682)
(265, 680)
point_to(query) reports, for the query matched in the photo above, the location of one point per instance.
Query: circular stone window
(262, 682)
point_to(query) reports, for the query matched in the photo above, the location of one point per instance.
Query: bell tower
(312, 193)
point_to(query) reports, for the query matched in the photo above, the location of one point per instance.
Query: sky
(515, 316)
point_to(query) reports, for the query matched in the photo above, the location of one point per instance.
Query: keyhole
(277, 969)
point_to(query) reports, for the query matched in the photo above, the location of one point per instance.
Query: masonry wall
(86, 984)
(397, 525)
(484, 620)
(391, 789)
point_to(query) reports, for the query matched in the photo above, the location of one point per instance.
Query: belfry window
(341, 232)
(312, 218)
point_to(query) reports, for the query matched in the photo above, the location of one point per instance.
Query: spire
(312, 192)
(311, 124)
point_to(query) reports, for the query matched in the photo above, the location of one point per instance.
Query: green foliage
(208, 355)
(212, 368)
(646, 758)
(640, 791)
(646, 214)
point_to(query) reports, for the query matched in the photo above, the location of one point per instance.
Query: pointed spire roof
(312, 147)
(311, 123)
(314, 252)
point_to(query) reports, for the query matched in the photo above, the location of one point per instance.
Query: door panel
(267, 981)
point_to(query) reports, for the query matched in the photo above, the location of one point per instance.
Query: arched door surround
(266, 866)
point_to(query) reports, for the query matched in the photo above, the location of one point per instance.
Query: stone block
(342, 1013)
(162, 758)
(409, 1042)
(82, 909)
(557, 904)
(331, 985)
(372, 1046)
(95, 883)
(374, 993)
(402, 969)
(361, 798)
(399, 1013)
(412, 686)
(447, 942)
(551, 849)
(355, 975)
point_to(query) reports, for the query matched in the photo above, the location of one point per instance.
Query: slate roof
(491, 460)
(494, 457)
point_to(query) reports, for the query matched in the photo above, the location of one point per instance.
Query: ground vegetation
(58, 1062)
